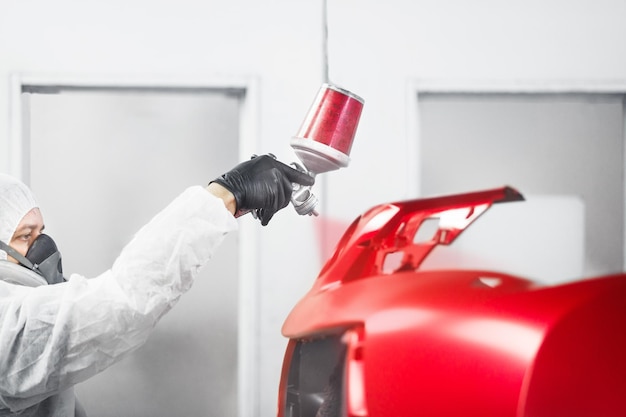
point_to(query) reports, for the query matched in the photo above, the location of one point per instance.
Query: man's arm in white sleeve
(55, 336)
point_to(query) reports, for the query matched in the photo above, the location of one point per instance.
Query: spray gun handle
(303, 200)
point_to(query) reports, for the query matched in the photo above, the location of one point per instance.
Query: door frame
(418, 86)
(248, 337)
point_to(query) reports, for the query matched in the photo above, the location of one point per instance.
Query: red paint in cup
(325, 138)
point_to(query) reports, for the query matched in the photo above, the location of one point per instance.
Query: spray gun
(324, 140)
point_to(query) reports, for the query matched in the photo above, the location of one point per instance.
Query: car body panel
(403, 342)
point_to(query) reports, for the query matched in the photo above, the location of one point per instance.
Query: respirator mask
(43, 257)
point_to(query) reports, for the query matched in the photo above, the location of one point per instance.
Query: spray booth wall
(387, 52)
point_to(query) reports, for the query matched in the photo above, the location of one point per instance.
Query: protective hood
(16, 200)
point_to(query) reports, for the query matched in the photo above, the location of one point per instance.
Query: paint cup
(325, 138)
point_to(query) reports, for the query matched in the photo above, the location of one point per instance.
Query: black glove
(263, 184)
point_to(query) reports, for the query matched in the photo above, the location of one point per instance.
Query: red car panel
(375, 336)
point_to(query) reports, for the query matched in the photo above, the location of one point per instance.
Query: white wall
(376, 49)
(382, 49)
(276, 44)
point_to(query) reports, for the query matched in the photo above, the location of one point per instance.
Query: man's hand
(223, 193)
(262, 184)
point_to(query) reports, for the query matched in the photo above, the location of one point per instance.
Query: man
(55, 336)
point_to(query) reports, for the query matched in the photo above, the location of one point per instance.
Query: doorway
(541, 143)
(102, 162)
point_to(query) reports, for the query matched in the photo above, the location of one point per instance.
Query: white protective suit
(55, 336)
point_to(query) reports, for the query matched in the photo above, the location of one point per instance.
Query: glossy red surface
(457, 342)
